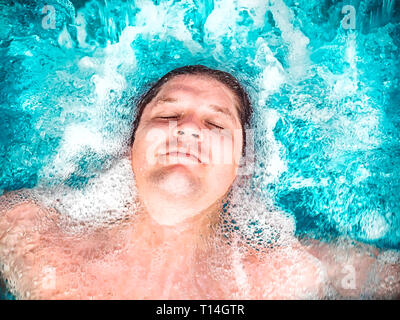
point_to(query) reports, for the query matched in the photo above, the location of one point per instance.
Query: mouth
(182, 157)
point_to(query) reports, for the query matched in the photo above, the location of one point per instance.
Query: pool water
(324, 81)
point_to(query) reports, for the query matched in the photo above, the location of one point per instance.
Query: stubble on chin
(175, 181)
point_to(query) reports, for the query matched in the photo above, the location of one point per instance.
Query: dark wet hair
(245, 109)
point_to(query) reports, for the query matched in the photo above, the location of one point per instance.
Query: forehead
(201, 87)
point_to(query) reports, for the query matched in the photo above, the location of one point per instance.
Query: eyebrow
(222, 110)
(214, 107)
(165, 99)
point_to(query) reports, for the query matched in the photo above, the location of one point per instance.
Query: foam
(12, 199)
(298, 55)
(108, 198)
(259, 224)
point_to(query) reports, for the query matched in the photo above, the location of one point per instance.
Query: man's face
(187, 148)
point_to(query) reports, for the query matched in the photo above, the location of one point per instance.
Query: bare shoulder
(28, 232)
(286, 272)
(40, 259)
(356, 269)
(20, 216)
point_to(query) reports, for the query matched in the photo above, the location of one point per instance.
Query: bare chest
(138, 273)
(101, 269)
(166, 275)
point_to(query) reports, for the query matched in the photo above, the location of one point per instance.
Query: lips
(182, 154)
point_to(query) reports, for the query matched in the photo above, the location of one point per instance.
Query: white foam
(64, 39)
(107, 198)
(374, 226)
(298, 56)
(160, 19)
(256, 221)
(273, 74)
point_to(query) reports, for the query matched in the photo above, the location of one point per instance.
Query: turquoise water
(325, 88)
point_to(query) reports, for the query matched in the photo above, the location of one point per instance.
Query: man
(187, 142)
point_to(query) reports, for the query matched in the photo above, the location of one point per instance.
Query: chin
(175, 183)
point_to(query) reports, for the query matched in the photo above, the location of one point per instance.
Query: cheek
(225, 158)
(220, 178)
(147, 141)
(225, 150)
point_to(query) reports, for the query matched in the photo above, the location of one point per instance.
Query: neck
(192, 233)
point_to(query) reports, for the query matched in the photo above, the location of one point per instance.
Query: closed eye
(168, 117)
(215, 125)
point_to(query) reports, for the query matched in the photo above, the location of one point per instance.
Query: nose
(187, 131)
